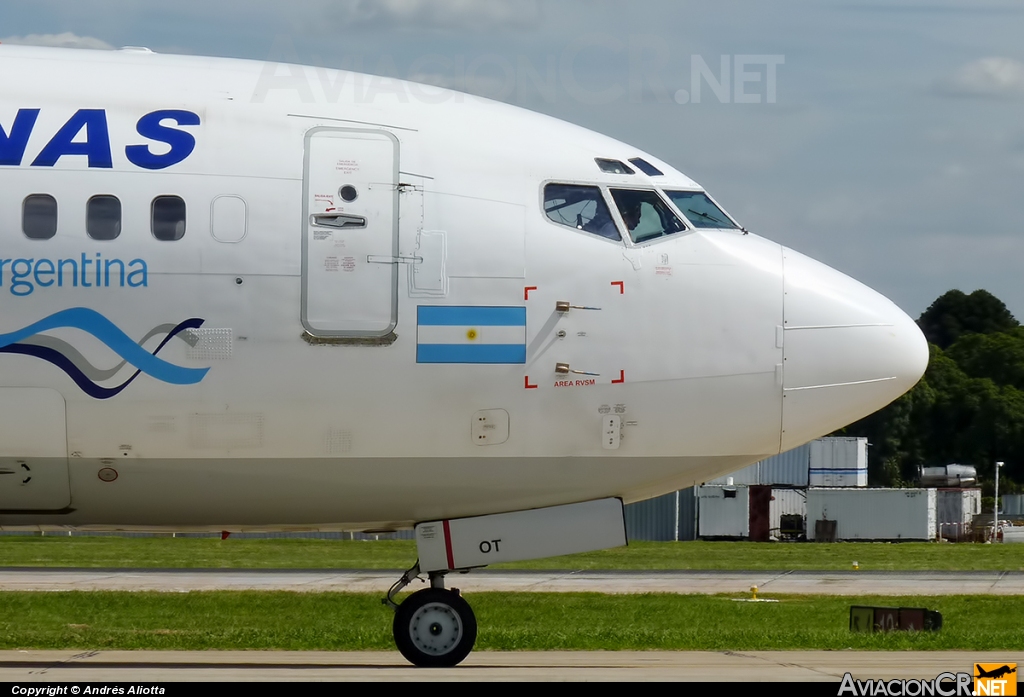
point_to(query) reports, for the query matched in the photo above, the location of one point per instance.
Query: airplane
(252, 297)
(995, 672)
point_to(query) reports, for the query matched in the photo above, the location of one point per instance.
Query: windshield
(645, 214)
(700, 210)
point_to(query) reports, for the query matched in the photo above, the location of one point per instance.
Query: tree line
(969, 406)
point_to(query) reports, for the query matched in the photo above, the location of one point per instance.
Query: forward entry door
(350, 233)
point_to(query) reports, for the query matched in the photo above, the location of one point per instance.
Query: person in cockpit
(631, 216)
(603, 225)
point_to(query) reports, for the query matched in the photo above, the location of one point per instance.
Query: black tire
(435, 628)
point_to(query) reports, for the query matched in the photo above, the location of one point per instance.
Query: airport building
(817, 491)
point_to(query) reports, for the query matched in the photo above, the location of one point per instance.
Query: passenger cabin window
(646, 215)
(168, 218)
(580, 207)
(103, 217)
(229, 219)
(39, 216)
(701, 210)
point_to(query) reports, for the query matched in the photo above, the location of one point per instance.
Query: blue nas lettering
(86, 134)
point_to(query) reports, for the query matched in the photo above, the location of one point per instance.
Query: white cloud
(438, 13)
(65, 40)
(987, 77)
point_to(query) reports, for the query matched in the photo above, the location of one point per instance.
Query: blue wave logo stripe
(106, 331)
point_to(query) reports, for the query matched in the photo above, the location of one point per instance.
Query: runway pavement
(799, 582)
(707, 666)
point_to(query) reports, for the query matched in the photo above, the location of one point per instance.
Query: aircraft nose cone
(848, 351)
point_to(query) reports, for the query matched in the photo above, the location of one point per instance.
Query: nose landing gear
(434, 627)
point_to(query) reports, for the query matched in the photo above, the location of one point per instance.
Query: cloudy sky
(883, 137)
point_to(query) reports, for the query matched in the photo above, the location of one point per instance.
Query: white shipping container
(785, 502)
(1013, 535)
(874, 514)
(955, 509)
(1013, 504)
(787, 469)
(723, 511)
(838, 462)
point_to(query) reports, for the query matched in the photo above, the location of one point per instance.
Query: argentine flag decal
(470, 334)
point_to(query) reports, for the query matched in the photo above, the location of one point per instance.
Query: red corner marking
(526, 292)
(448, 544)
(528, 385)
(621, 285)
(622, 378)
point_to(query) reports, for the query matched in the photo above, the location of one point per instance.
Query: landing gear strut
(434, 627)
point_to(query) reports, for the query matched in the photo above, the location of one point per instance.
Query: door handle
(338, 221)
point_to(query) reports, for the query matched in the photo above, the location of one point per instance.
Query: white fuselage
(304, 394)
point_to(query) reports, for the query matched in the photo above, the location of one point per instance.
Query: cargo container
(723, 511)
(872, 514)
(824, 462)
(746, 512)
(838, 462)
(1012, 504)
(955, 509)
(786, 502)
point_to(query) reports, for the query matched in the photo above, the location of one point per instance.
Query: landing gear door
(350, 233)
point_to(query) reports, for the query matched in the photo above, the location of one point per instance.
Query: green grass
(766, 556)
(166, 552)
(204, 553)
(507, 621)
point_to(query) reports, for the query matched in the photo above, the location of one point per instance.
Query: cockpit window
(580, 207)
(613, 166)
(700, 210)
(645, 214)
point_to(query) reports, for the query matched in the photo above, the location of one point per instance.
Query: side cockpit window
(646, 214)
(701, 210)
(580, 207)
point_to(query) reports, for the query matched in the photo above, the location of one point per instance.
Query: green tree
(969, 406)
(955, 313)
(998, 356)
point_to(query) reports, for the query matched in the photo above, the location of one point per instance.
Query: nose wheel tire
(435, 628)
